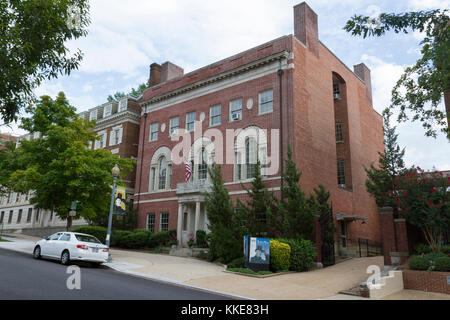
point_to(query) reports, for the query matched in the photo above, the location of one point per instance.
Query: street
(22, 277)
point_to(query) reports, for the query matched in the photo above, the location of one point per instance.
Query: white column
(197, 217)
(180, 225)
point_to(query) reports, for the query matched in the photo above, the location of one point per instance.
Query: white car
(69, 246)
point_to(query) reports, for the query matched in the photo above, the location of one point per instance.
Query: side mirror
(48, 238)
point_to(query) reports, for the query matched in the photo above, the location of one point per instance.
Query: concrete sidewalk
(324, 284)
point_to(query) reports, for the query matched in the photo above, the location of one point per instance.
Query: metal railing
(359, 248)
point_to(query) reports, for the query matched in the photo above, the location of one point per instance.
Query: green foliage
(425, 81)
(58, 166)
(236, 263)
(134, 92)
(325, 214)
(303, 253)
(432, 257)
(422, 248)
(419, 263)
(128, 221)
(445, 249)
(424, 202)
(280, 254)
(249, 271)
(296, 212)
(96, 231)
(225, 223)
(442, 264)
(201, 239)
(136, 239)
(32, 47)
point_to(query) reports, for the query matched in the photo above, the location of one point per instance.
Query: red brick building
(290, 91)
(6, 137)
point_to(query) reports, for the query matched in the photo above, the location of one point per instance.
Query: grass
(249, 271)
(3, 240)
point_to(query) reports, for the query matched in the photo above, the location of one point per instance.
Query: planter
(429, 281)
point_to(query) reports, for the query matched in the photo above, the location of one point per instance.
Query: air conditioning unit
(342, 186)
(337, 96)
(235, 116)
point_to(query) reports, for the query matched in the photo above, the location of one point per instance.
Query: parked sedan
(69, 246)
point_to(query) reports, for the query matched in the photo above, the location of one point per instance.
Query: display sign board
(259, 254)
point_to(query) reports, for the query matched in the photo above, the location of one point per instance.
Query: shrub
(135, 240)
(419, 263)
(442, 264)
(236, 263)
(303, 253)
(98, 232)
(432, 257)
(446, 250)
(201, 239)
(280, 254)
(422, 248)
(118, 237)
(162, 238)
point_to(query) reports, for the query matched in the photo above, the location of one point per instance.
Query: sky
(125, 37)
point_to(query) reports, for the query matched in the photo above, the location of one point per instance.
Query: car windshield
(84, 238)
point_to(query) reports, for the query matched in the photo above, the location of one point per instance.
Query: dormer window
(123, 105)
(93, 115)
(107, 111)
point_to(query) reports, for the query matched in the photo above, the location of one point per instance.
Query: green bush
(303, 253)
(432, 257)
(118, 237)
(442, 264)
(280, 254)
(422, 248)
(136, 240)
(201, 239)
(162, 238)
(419, 263)
(236, 263)
(98, 232)
(446, 250)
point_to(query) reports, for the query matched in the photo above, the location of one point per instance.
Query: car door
(48, 248)
(60, 244)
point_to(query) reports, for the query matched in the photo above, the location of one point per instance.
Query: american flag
(188, 171)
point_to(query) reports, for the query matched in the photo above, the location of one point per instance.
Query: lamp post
(115, 173)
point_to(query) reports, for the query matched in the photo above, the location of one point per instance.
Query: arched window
(251, 156)
(202, 165)
(162, 173)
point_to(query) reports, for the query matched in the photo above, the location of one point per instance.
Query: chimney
(363, 72)
(306, 27)
(155, 75)
(170, 71)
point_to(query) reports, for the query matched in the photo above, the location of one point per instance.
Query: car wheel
(37, 252)
(65, 257)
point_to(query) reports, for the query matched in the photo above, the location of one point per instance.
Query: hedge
(442, 264)
(280, 254)
(419, 263)
(303, 253)
(139, 238)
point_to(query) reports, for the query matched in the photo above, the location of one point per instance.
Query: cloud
(429, 4)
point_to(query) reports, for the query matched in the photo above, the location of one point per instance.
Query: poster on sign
(119, 204)
(259, 254)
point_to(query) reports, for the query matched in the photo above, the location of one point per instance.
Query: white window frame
(188, 122)
(262, 103)
(154, 128)
(115, 136)
(93, 115)
(107, 110)
(233, 110)
(121, 103)
(216, 115)
(172, 127)
(161, 221)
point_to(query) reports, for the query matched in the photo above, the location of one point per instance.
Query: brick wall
(431, 281)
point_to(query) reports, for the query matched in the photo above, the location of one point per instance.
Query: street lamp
(115, 173)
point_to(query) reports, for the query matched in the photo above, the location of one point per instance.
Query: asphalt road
(22, 277)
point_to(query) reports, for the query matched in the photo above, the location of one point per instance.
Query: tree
(380, 182)
(423, 200)
(259, 205)
(225, 223)
(32, 47)
(296, 210)
(427, 80)
(58, 167)
(325, 211)
(134, 92)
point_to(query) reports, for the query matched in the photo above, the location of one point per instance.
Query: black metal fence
(359, 248)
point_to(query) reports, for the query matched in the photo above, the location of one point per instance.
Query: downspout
(142, 161)
(280, 77)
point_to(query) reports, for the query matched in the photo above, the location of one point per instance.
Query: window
(190, 121)
(65, 237)
(215, 114)
(169, 182)
(107, 111)
(162, 173)
(154, 131)
(37, 215)
(185, 221)
(164, 222)
(266, 101)
(151, 222)
(336, 92)
(10, 216)
(56, 236)
(236, 109)
(101, 143)
(250, 157)
(2, 216)
(339, 132)
(123, 105)
(341, 172)
(202, 166)
(86, 238)
(238, 166)
(30, 213)
(152, 179)
(19, 216)
(174, 125)
(115, 137)
(93, 115)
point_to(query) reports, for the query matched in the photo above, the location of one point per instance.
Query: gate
(327, 237)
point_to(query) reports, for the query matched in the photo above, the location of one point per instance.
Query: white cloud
(429, 4)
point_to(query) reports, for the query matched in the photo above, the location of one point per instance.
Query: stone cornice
(116, 119)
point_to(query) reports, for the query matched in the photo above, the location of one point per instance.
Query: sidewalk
(324, 284)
